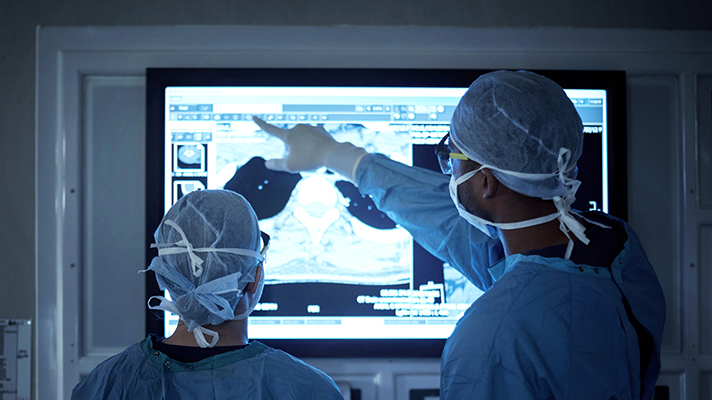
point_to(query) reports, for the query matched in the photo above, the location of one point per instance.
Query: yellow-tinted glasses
(265, 243)
(445, 155)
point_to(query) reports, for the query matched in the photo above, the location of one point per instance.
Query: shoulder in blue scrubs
(254, 371)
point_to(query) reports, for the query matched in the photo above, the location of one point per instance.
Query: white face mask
(479, 223)
(568, 224)
(488, 227)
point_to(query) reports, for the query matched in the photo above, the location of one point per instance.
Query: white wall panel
(380, 379)
(407, 382)
(706, 386)
(706, 290)
(653, 147)
(704, 140)
(113, 214)
(675, 383)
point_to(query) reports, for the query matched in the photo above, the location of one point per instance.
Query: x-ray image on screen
(323, 229)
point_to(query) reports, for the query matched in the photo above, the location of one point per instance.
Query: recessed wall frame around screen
(334, 304)
(704, 140)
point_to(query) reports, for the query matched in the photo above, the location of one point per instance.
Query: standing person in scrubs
(210, 259)
(572, 308)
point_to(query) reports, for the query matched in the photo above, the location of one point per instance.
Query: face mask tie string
(200, 333)
(184, 247)
(568, 224)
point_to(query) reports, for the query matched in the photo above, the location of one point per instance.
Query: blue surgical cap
(209, 242)
(517, 123)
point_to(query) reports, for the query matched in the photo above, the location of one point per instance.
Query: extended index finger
(271, 129)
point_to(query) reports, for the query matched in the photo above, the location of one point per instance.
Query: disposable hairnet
(519, 122)
(209, 244)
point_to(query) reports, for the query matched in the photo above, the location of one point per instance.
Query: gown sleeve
(418, 200)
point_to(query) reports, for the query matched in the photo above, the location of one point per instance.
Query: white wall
(90, 88)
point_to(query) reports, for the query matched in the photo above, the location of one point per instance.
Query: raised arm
(419, 201)
(415, 198)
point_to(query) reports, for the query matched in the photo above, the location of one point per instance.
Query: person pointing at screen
(572, 308)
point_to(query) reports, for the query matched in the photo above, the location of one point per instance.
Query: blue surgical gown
(254, 372)
(546, 327)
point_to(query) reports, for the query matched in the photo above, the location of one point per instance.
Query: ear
(490, 185)
(252, 286)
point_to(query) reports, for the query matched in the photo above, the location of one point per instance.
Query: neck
(515, 207)
(521, 241)
(232, 333)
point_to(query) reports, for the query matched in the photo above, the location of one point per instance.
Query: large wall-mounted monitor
(342, 279)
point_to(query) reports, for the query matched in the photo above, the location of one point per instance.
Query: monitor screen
(340, 275)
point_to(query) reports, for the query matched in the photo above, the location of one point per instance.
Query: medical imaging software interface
(337, 267)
